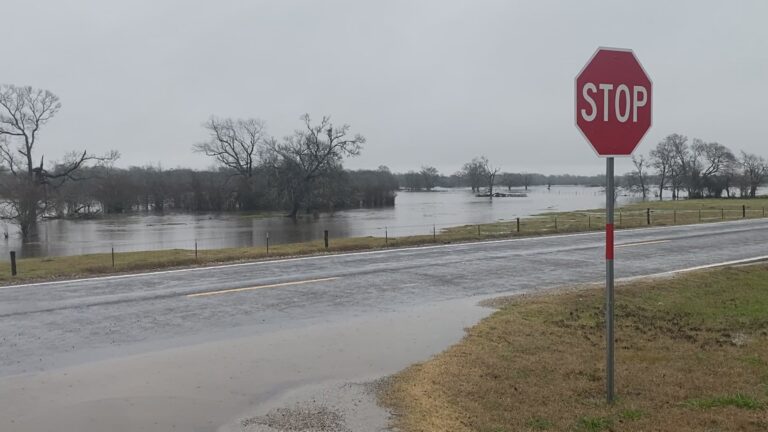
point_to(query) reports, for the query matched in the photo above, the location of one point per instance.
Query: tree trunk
(27, 217)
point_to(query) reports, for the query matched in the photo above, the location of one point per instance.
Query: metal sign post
(609, 199)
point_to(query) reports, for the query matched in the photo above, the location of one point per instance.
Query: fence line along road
(562, 222)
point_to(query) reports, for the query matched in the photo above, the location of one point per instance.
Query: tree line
(700, 169)
(110, 190)
(697, 169)
(301, 172)
(479, 175)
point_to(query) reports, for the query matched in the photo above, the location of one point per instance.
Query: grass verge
(691, 354)
(632, 216)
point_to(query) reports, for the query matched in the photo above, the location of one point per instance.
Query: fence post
(267, 243)
(113, 257)
(13, 263)
(722, 214)
(325, 238)
(434, 233)
(589, 222)
(386, 236)
(743, 211)
(620, 218)
(699, 215)
(555, 223)
(518, 223)
(195, 250)
(478, 230)
(648, 216)
(674, 216)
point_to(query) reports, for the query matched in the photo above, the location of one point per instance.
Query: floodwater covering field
(414, 213)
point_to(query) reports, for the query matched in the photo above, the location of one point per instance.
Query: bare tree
(685, 167)
(509, 180)
(754, 171)
(712, 159)
(490, 173)
(640, 174)
(413, 181)
(663, 160)
(23, 112)
(700, 164)
(429, 176)
(471, 172)
(310, 154)
(235, 144)
(474, 172)
(526, 177)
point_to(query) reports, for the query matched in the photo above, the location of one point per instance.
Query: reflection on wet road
(137, 353)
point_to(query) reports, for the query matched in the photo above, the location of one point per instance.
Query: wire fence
(271, 244)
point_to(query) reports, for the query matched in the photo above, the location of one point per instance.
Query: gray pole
(609, 191)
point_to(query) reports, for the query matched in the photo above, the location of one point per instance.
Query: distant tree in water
(413, 181)
(429, 177)
(27, 186)
(307, 159)
(475, 173)
(490, 174)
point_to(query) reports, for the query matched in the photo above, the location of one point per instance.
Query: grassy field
(662, 213)
(691, 355)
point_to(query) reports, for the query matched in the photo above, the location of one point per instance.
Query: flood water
(414, 213)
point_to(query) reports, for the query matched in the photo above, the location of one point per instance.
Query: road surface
(199, 349)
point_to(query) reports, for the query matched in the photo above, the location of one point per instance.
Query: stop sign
(613, 102)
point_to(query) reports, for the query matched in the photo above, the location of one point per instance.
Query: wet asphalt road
(49, 327)
(48, 320)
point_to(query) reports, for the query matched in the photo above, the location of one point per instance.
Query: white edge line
(701, 267)
(370, 252)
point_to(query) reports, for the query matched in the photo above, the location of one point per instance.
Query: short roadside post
(267, 243)
(13, 263)
(613, 112)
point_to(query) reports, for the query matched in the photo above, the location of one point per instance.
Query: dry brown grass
(691, 356)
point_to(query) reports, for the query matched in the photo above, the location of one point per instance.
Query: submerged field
(639, 215)
(691, 354)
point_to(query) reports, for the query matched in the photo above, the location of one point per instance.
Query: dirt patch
(299, 418)
(332, 407)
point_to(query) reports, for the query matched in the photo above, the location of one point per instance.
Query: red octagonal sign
(613, 102)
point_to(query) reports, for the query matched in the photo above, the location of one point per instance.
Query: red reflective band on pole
(609, 241)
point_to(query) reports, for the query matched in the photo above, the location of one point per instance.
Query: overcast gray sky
(427, 82)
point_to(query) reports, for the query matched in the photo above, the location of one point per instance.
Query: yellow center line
(277, 285)
(642, 243)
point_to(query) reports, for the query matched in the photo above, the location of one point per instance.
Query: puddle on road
(205, 386)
